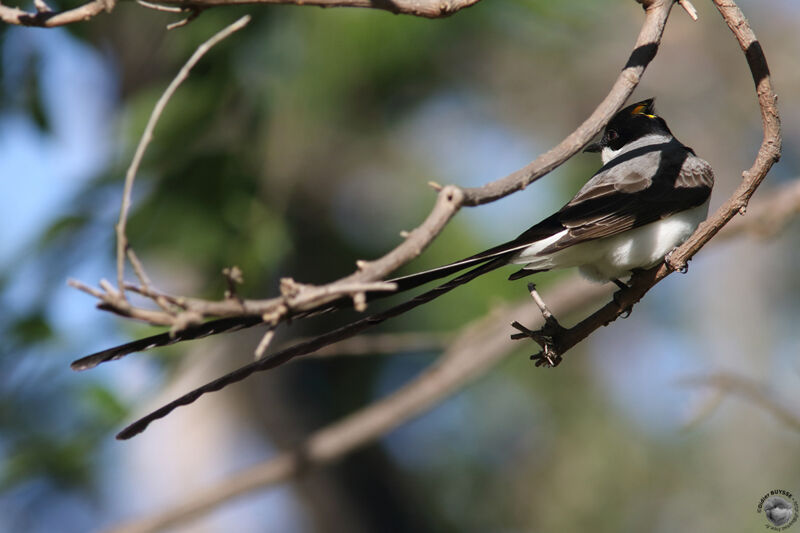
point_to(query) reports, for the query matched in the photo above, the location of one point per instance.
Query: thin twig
(751, 390)
(194, 12)
(160, 7)
(689, 8)
(147, 136)
(46, 18)
(76, 284)
(767, 217)
(51, 19)
(418, 8)
(264, 344)
(138, 269)
(657, 12)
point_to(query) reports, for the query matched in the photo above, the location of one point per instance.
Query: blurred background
(305, 142)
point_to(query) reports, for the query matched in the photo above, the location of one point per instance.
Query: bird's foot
(546, 337)
(675, 266)
(626, 311)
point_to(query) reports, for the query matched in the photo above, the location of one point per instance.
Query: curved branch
(50, 19)
(768, 154)
(769, 216)
(645, 50)
(749, 389)
(417, 8)
(46, 18)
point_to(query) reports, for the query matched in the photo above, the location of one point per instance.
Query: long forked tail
(213, 327)
(226, 325)
(309, 346)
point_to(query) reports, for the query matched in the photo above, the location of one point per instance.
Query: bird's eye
(612, 135)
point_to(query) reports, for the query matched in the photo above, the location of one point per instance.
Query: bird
(648, 197)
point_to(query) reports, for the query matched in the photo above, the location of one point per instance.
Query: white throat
(608, 154)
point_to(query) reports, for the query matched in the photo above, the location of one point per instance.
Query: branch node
(194, 12)
(110, 290)
(435, 186)
(233, 276)
(453, 194)
(290, 288)
(184, 320)
(360, 301)
(676, 265)
(274, 316)
(42, 7)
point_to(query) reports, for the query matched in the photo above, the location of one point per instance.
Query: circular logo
(780, 508)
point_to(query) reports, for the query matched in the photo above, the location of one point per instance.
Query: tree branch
(768, 154)
(45, 18)
(417, 8)
(774, 210)
(50, 19)
(144, 141)
(728, 383)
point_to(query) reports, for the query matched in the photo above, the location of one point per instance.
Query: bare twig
(657, 12)
(751, 390)
(194, 12)
(689, 8)
(147, 136)
(475, 350)
(769, 215)
(160, 7)
(138, 269)
(264, 344)
(50, 19)
(45, 18)
(418, 8)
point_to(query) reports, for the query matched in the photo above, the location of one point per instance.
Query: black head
(630, 124)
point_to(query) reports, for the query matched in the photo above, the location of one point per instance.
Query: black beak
(594, 147)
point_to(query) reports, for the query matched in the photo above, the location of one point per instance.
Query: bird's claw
(547, 358)
(682, 269)
(546, 337)
(626, 310)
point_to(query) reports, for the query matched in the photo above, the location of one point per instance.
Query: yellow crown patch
(641, 110)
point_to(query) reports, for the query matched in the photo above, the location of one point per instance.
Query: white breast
(614, 257)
